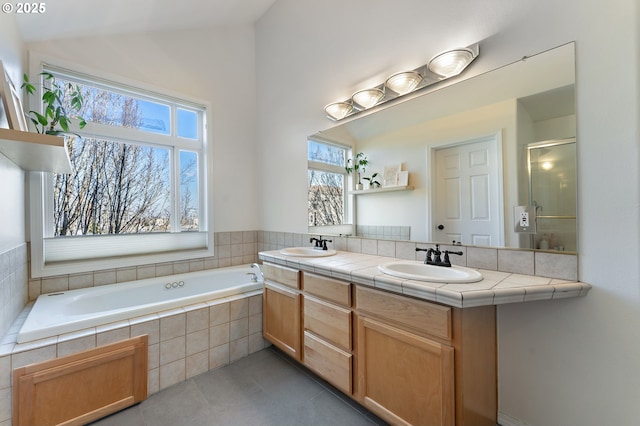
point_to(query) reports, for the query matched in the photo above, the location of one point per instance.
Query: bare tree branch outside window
(117, 187)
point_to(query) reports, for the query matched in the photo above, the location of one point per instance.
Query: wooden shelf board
(35, 151)
(383, 189)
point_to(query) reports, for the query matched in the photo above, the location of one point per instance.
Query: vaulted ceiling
(73, 18)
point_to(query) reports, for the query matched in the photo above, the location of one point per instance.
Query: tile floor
(264, 388)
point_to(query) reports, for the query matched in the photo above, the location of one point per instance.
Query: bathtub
(64, 312)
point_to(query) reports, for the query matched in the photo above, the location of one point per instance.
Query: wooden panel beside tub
(80, 388)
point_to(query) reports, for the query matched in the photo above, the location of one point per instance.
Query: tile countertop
(496, 287)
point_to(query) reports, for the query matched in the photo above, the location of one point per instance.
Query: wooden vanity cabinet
(328, 327)
(281, 309)
(410, 361)
(421, 363)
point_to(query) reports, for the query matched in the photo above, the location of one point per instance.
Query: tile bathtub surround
(528, 262)
(230, 249)
(13, 288)
(183, 342)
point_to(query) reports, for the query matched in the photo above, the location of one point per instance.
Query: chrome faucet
(261, 279)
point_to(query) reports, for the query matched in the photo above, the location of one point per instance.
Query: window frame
(349, 205)
(63, 255)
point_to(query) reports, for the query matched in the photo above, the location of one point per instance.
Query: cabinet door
(404, 378)
(281, 319)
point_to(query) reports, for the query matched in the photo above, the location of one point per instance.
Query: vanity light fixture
(404, 82)
(338, 110)
(441, 67)
(368, 98)
(451, 63)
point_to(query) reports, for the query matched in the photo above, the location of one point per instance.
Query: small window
(327, 183)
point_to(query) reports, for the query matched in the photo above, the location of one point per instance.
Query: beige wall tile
(239, 309)
(197, 342)
(77, 281)
(172, 350)
(172, 373)
(255, 304)
(197, 364)
(153, 357)
(32, 356)
(239, 328)
(112, 336)
(104, 277)
(255, 323)
(126, 274)
(219, 335)
(55, 284)
(172, 326)
(150, 328)
(219, 314)
(218, 356)
(76, 345)
(153, 381)
(197, 320)
(238, 349)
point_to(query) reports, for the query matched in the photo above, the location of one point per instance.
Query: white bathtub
(64, 312)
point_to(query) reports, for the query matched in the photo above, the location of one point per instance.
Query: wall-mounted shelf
(383, 189)
(35, 151)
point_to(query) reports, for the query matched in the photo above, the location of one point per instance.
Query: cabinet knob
(441, 227)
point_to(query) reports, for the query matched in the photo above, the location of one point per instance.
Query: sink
(307, 252)
(421, 272)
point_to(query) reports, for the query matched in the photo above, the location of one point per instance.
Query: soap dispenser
(544, 243)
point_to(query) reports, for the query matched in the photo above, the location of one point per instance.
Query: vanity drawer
(418, 315)
(327, 288)
(331, 322)
(331, 363)
(282, 275)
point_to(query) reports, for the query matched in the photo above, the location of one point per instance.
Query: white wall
(572, 362)
(217, 66)
(12, 208)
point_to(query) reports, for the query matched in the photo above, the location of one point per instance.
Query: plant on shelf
(62, 103)
(373, 183)
(357, 165)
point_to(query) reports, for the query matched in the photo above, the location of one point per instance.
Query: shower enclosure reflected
(552, 190)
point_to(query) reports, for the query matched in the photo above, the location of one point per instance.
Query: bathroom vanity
(411, 352)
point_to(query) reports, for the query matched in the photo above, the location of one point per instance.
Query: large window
(327, 183)
(138, 177)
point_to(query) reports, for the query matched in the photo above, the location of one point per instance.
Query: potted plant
(373, 182)
(357, 165)
(62, 103)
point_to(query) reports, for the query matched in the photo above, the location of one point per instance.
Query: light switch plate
(525, 219)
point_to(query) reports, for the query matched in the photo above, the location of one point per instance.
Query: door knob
(441, 227)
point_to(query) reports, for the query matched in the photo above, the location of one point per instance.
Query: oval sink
(421, 272)
(307, 252)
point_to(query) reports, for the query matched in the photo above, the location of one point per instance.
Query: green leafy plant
(62, 103)
(355, 164)
(373, 183)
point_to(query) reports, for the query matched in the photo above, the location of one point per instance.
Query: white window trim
(57, 256)
(347, 228)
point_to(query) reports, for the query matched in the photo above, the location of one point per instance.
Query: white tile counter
(495, 288)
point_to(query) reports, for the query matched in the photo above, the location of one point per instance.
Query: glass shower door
(552, 189)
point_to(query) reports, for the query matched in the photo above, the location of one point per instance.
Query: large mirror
(478, 153)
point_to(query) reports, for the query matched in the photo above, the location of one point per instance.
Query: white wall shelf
(35, 151)
(383, 189)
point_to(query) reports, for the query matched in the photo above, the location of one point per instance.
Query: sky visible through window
(123, 187)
